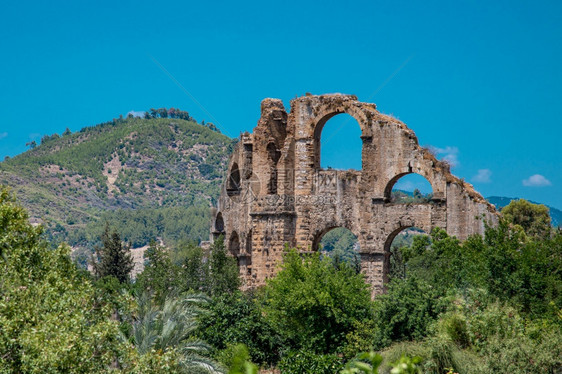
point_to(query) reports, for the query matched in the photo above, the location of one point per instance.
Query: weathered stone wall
(276, 194)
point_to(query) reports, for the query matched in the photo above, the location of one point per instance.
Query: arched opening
(233, 182)
(409, 188)
(219, 224)
(338, 143)
(401, 246)
(341, 245)
(273, 155)
(234, 245)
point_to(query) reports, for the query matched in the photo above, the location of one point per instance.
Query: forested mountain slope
(150, 178)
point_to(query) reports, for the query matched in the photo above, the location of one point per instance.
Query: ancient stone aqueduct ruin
(276, 194)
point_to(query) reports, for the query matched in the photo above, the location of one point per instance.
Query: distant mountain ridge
(135, 173)
(501, 201)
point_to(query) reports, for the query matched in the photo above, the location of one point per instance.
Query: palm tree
(172, 326)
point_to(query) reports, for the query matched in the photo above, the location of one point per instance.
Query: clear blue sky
(479, 81)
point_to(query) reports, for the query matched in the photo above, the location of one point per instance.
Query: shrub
(406, 311)
(314, 304)
(307, 362)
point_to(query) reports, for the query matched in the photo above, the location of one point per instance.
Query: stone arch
(390, 184)
(388, 244)
(325, 112)
(234, 244)
(324, 116)
(319, 234)
(219, 224)
(390, 238)
(273, 156)
(233, 182)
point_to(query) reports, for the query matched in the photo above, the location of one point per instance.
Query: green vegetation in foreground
(489, 304)
(149, 178)
(55, 319)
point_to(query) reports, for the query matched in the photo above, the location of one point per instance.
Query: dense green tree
(521, 270)
(534, 219)
(510, 265)
(313, 304)
(223, 271)
(406, 311)
(162, 113)
(160, 277)
(436, 259)
(239, 319)
(113, 257)
(195, 270)
(50, 318)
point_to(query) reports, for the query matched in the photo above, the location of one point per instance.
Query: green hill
(150, 178)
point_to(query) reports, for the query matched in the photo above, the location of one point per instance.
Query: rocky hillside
(150, 178)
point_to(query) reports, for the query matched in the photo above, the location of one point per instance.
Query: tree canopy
(50, 316)
(113, 257)
(534, 219)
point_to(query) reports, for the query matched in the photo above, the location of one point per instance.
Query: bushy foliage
(366, 362)
(237, 358)
(188, 269)
(406, 311)
(314, 304)
(436, 259)
(523, 271)
(435, 355)
(533, 219)
(112, 258)
(505, 339)
(510, 265)
(306, 361)
(480, 335)
(160, 277)
(223, 271)
(50, 317)
(238, 319)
